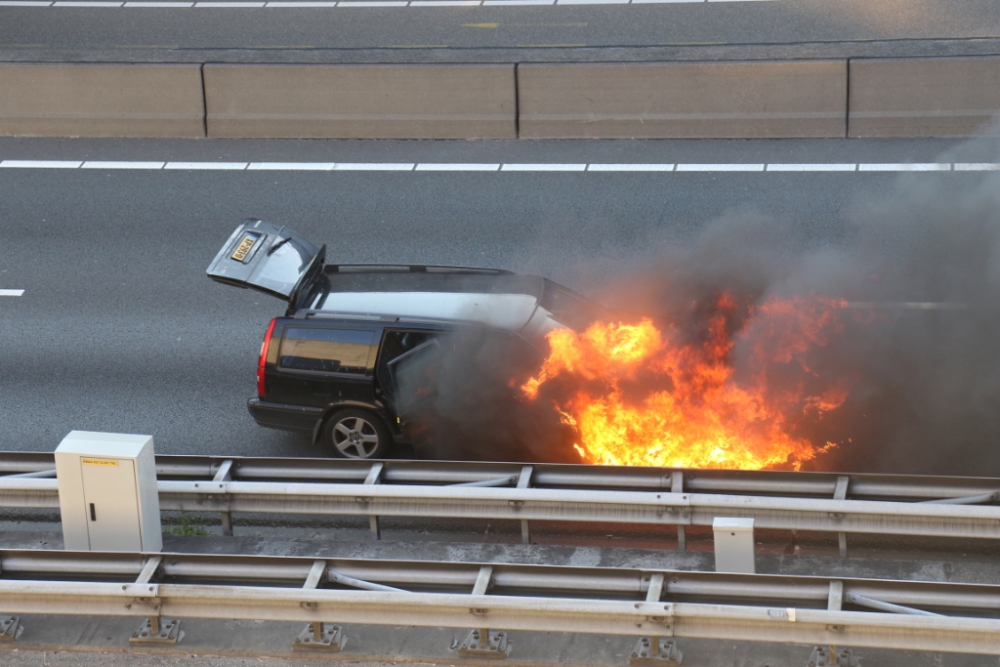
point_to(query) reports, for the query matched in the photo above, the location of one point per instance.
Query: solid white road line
(11, 292)
(624, 167)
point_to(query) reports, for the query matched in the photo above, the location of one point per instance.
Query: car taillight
(262, 362)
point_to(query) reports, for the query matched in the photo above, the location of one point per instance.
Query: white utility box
(734, 549)
(107, 492)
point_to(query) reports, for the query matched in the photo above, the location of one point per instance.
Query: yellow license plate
(245, 246)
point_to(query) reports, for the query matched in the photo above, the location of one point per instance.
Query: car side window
(327, 350)
(395, 343)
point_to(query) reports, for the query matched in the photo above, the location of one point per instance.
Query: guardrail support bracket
(483, 643)
(156, 630)
(319, 636)
(656, 652)
(820, 657)
(9, 625)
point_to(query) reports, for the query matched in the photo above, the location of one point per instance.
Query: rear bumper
(283, 416)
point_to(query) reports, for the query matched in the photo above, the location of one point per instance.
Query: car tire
(356, 434)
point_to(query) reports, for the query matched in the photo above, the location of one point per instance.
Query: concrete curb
(911, 97)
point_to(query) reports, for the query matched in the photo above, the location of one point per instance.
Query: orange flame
(691, 410)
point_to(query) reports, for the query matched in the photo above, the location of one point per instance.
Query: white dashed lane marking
(197, 166)
(720, 167)
(918, 166)
(543, 167)
(11, 292)
(444, 166)
(40, 164)
(812, 167)
(510, 166)
(290, 166)
(122, 165)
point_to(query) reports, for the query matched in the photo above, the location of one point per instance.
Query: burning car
(359, 345)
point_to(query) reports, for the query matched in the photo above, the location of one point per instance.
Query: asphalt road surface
(601, 31)
(119, 330)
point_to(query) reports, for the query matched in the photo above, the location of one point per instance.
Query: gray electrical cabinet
(107, 492)
(734, 547)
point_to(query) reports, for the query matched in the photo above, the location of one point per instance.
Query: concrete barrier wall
(361, 101)
(101, 100)
(923, 97)
(683, 100)
(886, 98)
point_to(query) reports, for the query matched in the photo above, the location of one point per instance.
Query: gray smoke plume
(918, 347)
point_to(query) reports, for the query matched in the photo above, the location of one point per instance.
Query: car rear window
(328, 350)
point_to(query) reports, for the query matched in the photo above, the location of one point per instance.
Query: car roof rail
(412, 268)
(341, 315)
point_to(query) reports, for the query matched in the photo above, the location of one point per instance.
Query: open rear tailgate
(269, 258)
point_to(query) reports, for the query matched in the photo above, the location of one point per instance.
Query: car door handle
(93, 512)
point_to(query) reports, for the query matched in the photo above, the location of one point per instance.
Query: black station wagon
(331, 365)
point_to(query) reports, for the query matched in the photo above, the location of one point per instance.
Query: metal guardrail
(613, 601)
(955, 507)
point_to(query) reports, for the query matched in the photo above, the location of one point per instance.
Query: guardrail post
(224, 474)
(840, 493)
(155, 630)
(481, 643)
(318, 636)
(375, 477)
(9, 626)
(656, 650)
(677, 486)
(821, 655)
(524, 482)
(152, 631)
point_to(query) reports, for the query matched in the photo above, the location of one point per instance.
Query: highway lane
(118, 329)
(703, 30)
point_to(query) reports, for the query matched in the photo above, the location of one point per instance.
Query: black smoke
(462, 401)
